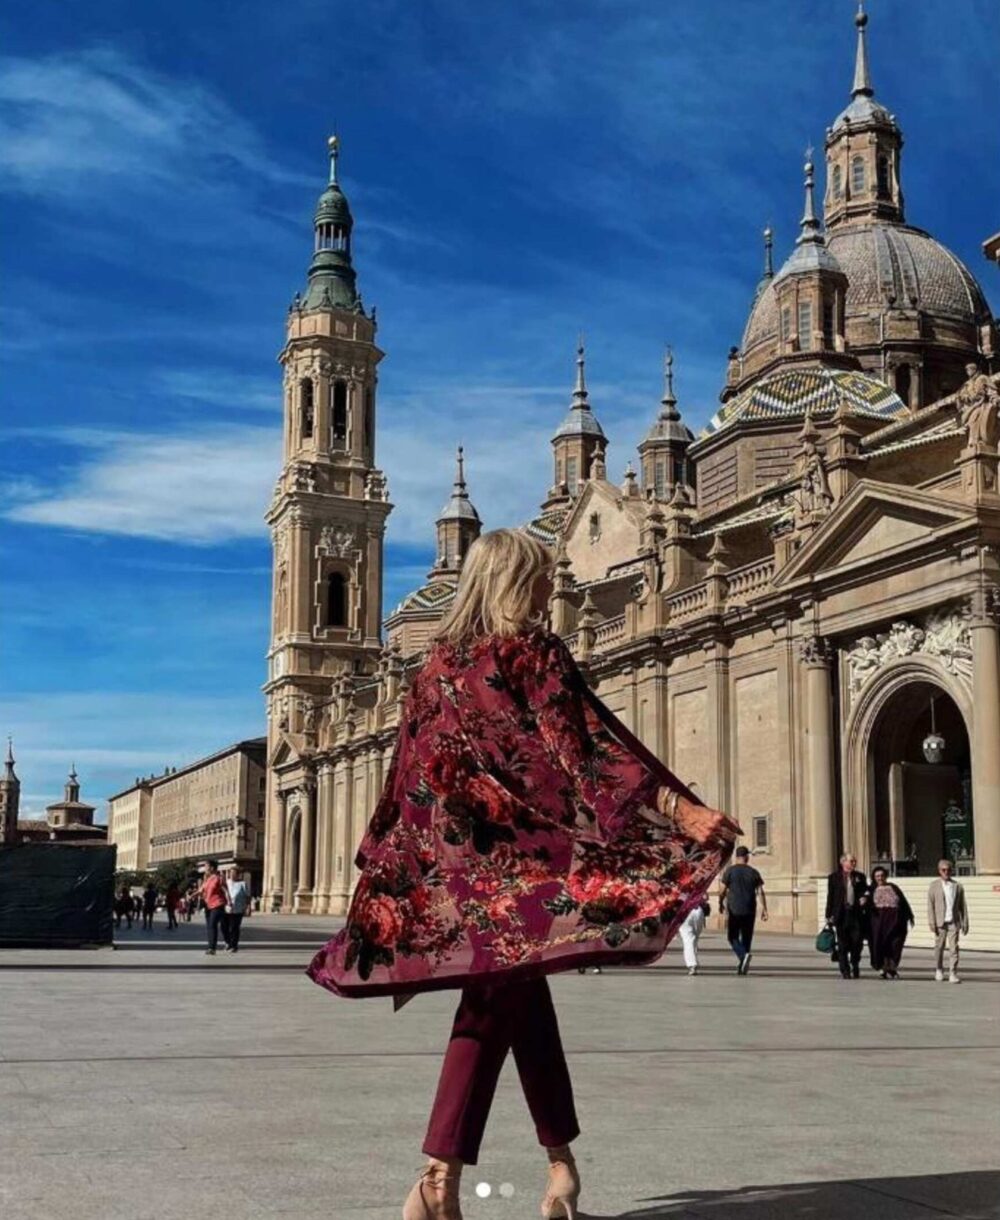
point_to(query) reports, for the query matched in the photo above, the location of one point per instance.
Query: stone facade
(786, 609)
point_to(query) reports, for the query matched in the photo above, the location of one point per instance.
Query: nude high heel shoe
(563, 1187)
(435, 1194)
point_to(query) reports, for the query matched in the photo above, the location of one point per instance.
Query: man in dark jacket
(846, 909)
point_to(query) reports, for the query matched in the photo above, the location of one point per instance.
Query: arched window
(369, 419)
(338, 423)
(595, 527)
(336, 600)
(883, 178)
(903, 380)
(838, 182)
(306, 408)
(857, 175)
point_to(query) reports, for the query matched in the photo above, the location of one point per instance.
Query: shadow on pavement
(969, 1196)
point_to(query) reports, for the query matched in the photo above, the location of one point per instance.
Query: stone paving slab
(151, 1081)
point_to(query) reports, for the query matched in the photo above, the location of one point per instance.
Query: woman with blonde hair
(522, 831)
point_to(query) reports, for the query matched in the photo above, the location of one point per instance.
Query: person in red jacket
(523, 831)
(213, 893)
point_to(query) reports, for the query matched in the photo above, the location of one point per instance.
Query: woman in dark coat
(890, 915)
(522, 831)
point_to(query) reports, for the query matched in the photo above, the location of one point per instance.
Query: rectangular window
(786, 323)
(857, 175)
(805, 324)
(571, 475)
(660, 480)
(828, 324)
(761, 833)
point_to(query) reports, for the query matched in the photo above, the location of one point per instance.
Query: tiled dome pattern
(820, 391)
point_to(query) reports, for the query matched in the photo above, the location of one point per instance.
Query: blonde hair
(495, 588)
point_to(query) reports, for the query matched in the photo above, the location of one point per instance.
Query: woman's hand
(698, 822)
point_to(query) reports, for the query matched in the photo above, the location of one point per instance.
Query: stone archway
(893, 798)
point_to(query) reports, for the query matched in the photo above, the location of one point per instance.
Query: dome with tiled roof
(437, 595)
(820, 391)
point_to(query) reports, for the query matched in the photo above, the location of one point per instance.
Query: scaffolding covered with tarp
(56, 895)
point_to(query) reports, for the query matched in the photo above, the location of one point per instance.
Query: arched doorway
(901, 806)
(912, 795)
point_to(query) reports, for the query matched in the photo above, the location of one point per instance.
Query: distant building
(67, 821)
(129, 819)
(213, 808)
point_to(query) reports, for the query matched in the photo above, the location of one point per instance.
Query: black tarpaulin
(56, 895)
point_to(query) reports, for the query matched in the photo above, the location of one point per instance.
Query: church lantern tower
(458, 527)
(579, 443)
(327, 517)
(810, 290)
(10, 798)
(863, 152)
(663, 451)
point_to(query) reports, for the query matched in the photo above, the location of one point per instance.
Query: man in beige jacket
(947, 916)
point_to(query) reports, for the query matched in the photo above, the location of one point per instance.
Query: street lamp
(933, 743)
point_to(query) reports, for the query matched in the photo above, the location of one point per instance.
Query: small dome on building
(437, 596)
(791, 392)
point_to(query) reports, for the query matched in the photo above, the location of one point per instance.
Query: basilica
(797, 610)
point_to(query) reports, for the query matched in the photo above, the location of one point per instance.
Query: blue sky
(519, 173)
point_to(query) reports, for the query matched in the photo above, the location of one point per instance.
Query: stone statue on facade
(337, 540)
(303, 477)
(944, 636)
(978, 403)
(310, 714)
(813, 495)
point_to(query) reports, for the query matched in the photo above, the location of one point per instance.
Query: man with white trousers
(690, 930)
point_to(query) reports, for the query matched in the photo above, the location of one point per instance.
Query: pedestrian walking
(691, 930)
(846, 908)
(948, 917)
(149, 896)
(172, 902)
(741, 886)
(237, 902)
(522, 830)
(212, 893)
(137, 906)
(889, 917)
(123, 906)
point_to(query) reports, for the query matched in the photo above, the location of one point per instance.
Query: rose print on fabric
(521, 829)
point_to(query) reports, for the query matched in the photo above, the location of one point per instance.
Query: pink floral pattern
(521, 830)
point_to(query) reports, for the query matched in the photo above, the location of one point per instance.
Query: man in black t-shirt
(740, 886)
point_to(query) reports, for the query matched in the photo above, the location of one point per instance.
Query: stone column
(307, 854)
(277, 847)
(324, 839)
(986, 728)
(814, 653)
(897, 821)
(717, 792)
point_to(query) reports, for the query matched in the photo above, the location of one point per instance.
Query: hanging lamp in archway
(933, 746)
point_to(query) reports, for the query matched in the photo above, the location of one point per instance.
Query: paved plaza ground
(152, 1081)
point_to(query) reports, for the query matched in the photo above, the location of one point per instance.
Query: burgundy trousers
(492, 1018)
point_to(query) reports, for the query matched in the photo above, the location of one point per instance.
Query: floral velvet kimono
(522, 831)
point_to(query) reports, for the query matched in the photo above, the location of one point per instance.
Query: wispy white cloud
(71, 122)
(203, 485)
(219, 387)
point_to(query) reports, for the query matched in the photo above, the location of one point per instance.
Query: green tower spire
(332, 278)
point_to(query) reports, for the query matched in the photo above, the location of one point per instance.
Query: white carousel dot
(507, 1190)
(484, 1190)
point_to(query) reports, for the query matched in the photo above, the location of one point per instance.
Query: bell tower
(10, 798)
(328, 513)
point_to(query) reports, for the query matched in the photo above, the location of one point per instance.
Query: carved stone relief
(943, 635)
